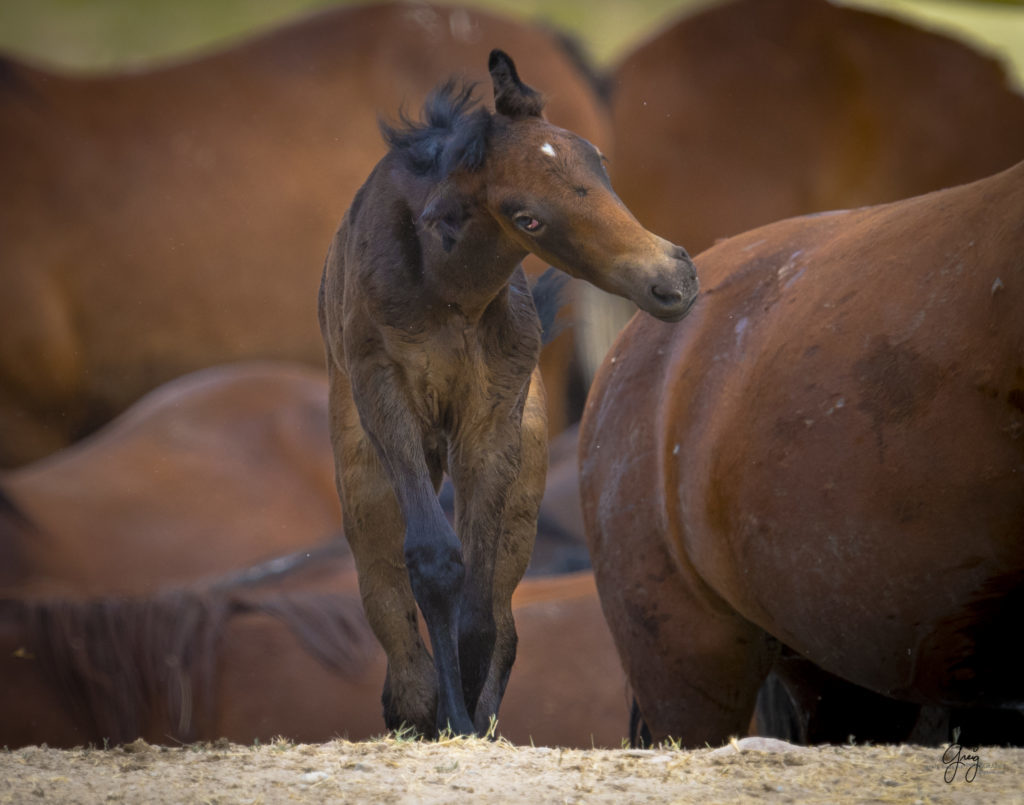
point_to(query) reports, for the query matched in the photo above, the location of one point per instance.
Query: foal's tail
(548, 297)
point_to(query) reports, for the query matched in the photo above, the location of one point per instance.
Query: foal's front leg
(431, 551)
(518, 535)
(375, 530)
(499, 482)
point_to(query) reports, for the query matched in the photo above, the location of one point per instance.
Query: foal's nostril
(667, 296)
(679, 253)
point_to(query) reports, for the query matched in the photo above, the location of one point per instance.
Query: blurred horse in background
(751, 111)
(157, 222)
(214, 471)
(261, 655)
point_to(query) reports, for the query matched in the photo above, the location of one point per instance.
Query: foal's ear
(444, 214)
(512, 97)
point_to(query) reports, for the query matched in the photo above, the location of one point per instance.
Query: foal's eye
(528, 223)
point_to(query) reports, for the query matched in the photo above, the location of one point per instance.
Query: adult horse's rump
(827, 454)
(432, 341)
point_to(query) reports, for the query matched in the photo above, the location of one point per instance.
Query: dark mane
(549, 292)
(11, 511)
(12, 77)
(451, 134)
(8, 71)
(332, 627)
(118, 663)
(574, 49)
(14, 527)
(16, 82)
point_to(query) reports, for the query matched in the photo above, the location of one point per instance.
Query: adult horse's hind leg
(498, 525)
(694, 664)
(374, 527)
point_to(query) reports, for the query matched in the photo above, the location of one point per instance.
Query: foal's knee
(436, 571)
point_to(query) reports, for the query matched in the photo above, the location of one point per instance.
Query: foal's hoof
(404, 726)
(457, 726)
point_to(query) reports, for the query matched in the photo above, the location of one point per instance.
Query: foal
(432, 342)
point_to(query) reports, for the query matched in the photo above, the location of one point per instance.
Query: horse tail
(600, 318)
(548, 297)
(119, 662)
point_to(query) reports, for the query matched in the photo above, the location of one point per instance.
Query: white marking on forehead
(548, 149)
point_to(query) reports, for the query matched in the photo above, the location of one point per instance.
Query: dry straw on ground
(460, 770)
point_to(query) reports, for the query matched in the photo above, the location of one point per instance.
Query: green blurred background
(104, 34)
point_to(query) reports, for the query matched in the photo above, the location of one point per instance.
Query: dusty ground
(495, 772)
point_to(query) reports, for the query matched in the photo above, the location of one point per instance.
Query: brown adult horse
(828, 454)
(432, 341)
(294, 658)
(755, 111)
(158, 222)
(213, 471)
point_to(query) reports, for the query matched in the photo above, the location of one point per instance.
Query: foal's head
(546, 189)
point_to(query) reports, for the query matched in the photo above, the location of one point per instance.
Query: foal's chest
(463, 372)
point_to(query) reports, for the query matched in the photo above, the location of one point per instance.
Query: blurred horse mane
(122, 662)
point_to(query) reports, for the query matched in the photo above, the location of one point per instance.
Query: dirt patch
(389, 770)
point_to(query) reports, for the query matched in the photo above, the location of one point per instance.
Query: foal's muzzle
(674, 288)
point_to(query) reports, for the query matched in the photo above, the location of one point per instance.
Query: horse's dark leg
(383, 548)
(478, 506)
(498, 549)
(519, 532)
(639, 732)
(433, 558)
(803, 703)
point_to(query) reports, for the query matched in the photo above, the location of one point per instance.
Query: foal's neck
(475, 271)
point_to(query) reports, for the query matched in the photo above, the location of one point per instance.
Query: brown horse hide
(827, 454)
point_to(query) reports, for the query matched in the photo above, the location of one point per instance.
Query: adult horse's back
(828, 453)
(159, 222)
